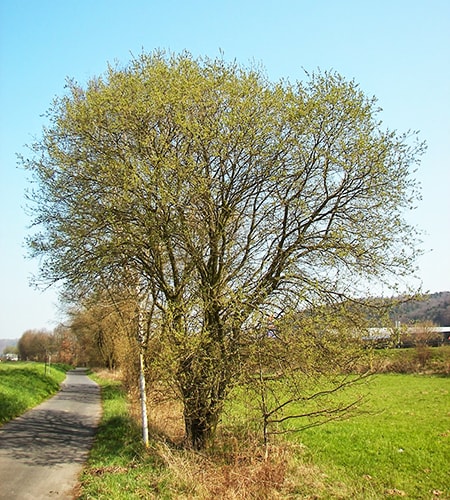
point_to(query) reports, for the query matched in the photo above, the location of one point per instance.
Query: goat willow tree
(225, 195)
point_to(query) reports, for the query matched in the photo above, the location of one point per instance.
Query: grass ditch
(24, 385)
(397, 447)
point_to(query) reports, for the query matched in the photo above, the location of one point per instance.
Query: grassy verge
(24, 385)
(398, 448)
(118, 467)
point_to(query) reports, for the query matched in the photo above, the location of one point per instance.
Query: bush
(420, 359)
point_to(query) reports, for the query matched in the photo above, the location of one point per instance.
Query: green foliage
(24, 385)
(212, 196)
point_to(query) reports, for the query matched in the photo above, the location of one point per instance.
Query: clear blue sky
(397, 50)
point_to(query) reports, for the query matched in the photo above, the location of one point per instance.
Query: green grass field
(399, 447)
(24, 385)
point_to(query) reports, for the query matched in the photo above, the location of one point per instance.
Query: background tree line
(433, 308)
(59, 346)
(92, 335)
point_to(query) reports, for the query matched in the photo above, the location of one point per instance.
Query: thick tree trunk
(204, 388)
(200, 424)
(205, 378)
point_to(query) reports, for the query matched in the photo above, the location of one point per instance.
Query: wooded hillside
(433, 307)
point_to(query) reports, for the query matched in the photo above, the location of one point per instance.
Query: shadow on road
(59, 431)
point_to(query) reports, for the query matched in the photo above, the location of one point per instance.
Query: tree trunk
(142, 340)
(204, 388)
(143, 394)
(200, 424)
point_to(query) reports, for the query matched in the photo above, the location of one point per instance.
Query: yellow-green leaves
(222, 191)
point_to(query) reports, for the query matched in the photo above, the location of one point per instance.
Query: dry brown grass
(105, 373)
(239, 476)
(166, 419)
(233, 468)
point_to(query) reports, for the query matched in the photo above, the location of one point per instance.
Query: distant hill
(434, 307)
(7, 343)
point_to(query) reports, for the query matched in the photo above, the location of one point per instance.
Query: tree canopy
(219, 194)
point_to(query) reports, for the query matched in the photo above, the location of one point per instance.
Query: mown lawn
(399, 447)
(24, 385)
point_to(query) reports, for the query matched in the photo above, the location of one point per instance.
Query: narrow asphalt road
(43, 451)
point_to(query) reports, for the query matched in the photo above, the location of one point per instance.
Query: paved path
(43, 451)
